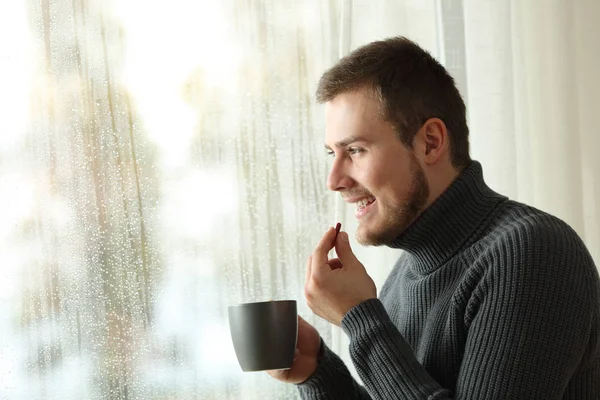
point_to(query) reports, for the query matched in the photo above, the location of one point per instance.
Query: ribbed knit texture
(491, 299)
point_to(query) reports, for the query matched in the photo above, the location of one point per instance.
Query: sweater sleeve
(331, 380)
(383, 359)
(533, 320)
(529, 327)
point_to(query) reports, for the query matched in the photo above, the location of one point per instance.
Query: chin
(377, 236)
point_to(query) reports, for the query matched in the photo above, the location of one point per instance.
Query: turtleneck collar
(444, 227)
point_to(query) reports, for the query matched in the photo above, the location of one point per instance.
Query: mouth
(363, 206)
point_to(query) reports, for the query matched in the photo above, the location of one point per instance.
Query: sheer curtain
(532, 87)
(160, 161)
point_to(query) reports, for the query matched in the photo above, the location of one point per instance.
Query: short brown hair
(411, 85)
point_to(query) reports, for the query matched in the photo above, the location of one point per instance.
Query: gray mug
(264, 334)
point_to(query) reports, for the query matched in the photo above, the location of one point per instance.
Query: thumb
(343, 249)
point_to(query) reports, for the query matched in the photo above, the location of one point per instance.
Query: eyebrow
(347, 141)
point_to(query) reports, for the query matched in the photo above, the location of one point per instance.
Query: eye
(330, 153)
(355, 150)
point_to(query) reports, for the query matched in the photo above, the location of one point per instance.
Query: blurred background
(162, 160)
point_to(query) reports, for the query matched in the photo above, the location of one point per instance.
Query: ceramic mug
(264, 334)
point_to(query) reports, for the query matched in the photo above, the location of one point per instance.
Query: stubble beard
(399, 216)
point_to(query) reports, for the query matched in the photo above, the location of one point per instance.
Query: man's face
(372, 168)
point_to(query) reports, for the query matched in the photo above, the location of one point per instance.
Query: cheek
(376, 173)
(390, 181)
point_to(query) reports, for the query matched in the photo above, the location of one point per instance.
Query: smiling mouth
(363, 206)
(363, 203)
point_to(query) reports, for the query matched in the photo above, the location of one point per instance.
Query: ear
(432, 141)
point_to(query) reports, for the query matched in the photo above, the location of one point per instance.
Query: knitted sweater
(491, 299)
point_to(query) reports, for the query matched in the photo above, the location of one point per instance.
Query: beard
(397, 217)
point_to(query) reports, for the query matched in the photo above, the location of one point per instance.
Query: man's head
(396, 125)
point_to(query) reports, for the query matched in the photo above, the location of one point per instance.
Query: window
(160, 161)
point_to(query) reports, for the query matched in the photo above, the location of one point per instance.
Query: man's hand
(305, 360)
(334, 286)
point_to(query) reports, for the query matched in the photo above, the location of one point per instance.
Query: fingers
(335, 263)
(319, 259)
(343, 249)
(279, 374)
(326, 244)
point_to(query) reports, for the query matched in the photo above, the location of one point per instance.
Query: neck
(439, 179)
(450, 220)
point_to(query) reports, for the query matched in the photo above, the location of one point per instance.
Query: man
(491, 299)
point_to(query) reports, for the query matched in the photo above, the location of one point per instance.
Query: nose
(338, 178)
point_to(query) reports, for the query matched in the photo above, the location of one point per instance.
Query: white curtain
(533, 84)
(160, 161)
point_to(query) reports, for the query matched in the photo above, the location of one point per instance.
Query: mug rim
(261, 302)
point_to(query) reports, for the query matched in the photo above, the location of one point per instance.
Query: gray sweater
(491, 299)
